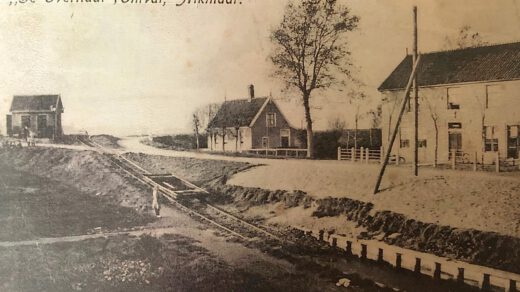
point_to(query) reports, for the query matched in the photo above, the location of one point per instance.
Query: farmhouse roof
(35, 103)
(240, 112)
(486, 63)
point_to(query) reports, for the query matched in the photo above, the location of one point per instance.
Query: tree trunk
(355, 133)
(236, 139)
(223, 139)
(197, 139)
(436, 151)
(310, 138)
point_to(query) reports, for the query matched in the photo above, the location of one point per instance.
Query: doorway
(455, 143)
(42, 125)
(284, 138)
(513, 142)
(26, 122)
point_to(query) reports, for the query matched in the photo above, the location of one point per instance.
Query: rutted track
(195, 207)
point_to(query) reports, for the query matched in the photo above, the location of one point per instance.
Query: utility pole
(412, 82)
(416, 99)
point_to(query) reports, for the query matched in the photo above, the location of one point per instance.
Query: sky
(144, 68)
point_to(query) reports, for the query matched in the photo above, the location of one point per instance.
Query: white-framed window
(405, 143)
(490, 142)
(271, 119)
(453, 98)
(422, 143)
(265, 142)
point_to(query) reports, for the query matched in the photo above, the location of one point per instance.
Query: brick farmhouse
(251, 123)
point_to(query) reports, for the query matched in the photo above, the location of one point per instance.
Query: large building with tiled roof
(469, 104)
(40, 114)
(250, 123)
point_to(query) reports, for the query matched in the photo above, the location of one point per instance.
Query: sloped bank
(91, 172)
(473, 246)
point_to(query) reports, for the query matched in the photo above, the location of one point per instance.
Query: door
(9, 124)
(284, 138)
(42, 126)
(455, 143)
(513, 142)
(26, 122)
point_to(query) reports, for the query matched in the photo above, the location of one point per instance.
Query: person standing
(155, 202)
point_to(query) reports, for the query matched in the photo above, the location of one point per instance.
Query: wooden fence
(487, 279)
(459, 160)
(280, 152)
(365, 155)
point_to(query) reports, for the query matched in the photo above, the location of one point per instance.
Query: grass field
(35, 207)
(146, 263)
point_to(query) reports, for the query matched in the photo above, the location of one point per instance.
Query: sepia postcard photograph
(259, 145)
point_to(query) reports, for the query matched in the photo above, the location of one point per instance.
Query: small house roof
(237, 113)
(35, 102)
(485, 63)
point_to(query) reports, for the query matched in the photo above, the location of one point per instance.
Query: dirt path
(52, 240)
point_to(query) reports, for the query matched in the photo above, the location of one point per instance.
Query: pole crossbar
(397, 124)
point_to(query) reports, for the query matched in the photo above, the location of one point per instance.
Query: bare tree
(357, 98)
(201, 117)
(466, 38)
(375, 120)
(434, 115)
(196, 127)
(375, 117)
(337, 124)
(310, 49)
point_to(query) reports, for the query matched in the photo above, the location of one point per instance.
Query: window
(405, 143)
(271, 119)
(490, 142)
(453, 98)
(513, 131)
(265, 142)
(422, 143)
(454, 126)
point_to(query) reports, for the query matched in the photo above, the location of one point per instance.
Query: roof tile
(486, 63)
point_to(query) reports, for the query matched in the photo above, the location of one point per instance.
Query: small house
(41, 114)
(250, 123)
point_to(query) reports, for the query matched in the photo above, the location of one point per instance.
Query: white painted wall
(503, 109)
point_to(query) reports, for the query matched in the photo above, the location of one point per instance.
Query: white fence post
(453, 159)
(475, 162)
(353, 157)
(361, 153)
(367, 155)
(339, 153)
(381, 155)
(497, 162)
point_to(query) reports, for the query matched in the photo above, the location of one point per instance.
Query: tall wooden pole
(416, 99)
(406, 97)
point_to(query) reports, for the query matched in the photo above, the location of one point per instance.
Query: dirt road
(482, 200)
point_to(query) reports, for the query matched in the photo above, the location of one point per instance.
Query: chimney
(251, 92)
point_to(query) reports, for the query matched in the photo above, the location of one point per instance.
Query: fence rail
(280, 152)
(361, 154)
(488, 279)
